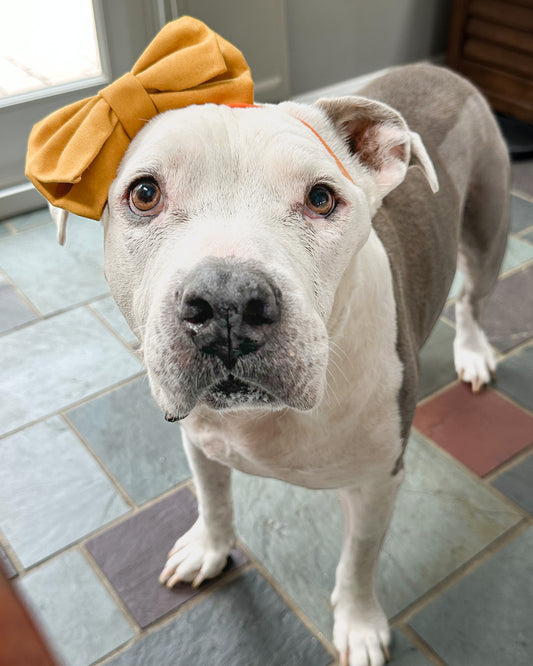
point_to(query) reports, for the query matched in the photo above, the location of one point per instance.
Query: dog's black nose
(228, 307)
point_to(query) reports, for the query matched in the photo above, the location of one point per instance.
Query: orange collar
(337, 160)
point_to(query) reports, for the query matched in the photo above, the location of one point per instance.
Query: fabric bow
(73, 153)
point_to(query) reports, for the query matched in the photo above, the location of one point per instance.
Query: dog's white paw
(362, 637)
(196, 556)
(475, 362)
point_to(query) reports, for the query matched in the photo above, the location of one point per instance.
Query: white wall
(333, 40)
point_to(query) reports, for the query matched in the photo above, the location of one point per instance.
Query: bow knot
(73, 154)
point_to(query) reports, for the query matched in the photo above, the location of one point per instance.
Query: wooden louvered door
(491, 42)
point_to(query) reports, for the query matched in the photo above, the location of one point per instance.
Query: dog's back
(424, 234)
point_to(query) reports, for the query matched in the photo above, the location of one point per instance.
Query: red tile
(482, 431)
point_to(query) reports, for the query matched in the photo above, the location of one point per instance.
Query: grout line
(104, 468)
(74, 405)
(300, 614)
(521, 194)
(104, 321)
(215, 585)
(110, 589)
(10, 552)
(464, 570)
(509, 465)
(420, 644)
(479, 480)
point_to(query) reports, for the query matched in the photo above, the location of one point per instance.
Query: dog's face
(227, 232)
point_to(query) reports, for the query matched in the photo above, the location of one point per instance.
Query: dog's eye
(145, 196)
(321, 200)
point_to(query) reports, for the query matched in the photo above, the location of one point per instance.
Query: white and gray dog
(287, 262)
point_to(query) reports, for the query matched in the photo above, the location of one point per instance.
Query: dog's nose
(228, 308)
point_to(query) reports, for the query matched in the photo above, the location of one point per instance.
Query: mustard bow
(73, 153)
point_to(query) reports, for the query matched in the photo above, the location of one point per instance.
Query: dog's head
(227, 232)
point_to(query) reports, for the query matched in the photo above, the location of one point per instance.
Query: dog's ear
(59, 216)
(381, 140)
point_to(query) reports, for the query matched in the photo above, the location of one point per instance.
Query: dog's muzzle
(227, 310)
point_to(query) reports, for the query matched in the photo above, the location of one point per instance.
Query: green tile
(13, 311)
(4, 229)
(76, 612)
(57, 362)
(443, 518)
(517, 484)
(244, 623)
(127, 431)
(486, 617)
(108, 310)
(36, 218)
(437, 367)
(457, 284)
(517, 254)
(52, 491)
(404, 653)
(55, 277)
(521, 214)
(514, 377)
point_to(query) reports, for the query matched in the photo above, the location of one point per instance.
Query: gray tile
(245, 623)
(13, 311)
(4, 229)
(442, 518)
(404, 653)
(108, 310)
(56, 362)
(52, 491)
(515, 377)
(517, 483)
(6, 564)
(127, 431)
(517, 253)
(457, 284)
(36, 218)
(436, 360)
(486, 617)
(79, 617)
(528, 237)
(133, 553)
(55, 277)
(508, 313)
(521, 214)
(522, 176)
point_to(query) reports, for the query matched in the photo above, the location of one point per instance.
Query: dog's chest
(312, 450)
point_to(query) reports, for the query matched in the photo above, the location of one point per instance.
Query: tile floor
(94, 489)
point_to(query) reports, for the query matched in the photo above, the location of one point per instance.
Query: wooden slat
(516, 40)
(503, 13)
(501, 57)
(458, 20)
(507, 93)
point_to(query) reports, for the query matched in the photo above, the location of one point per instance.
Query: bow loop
(74, 153)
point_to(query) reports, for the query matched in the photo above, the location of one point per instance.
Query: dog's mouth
(233, 392)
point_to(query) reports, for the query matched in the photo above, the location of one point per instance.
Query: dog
(282, 266)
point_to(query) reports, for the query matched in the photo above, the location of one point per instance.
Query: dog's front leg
(202, 552)
(361, 631)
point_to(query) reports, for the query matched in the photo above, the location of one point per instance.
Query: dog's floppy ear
(381, 140)
(59, 216)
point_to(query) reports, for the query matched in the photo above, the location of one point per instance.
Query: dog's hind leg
(202, 552)
(481, 249)
(361, 632)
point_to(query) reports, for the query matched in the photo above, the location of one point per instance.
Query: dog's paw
(361, 637)
(475, 362)
(196, 556)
